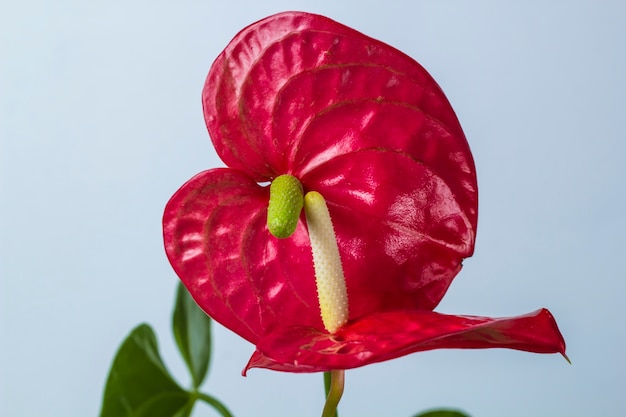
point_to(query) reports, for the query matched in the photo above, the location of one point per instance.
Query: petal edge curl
(385, 336)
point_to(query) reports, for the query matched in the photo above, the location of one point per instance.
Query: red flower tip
(367, 127)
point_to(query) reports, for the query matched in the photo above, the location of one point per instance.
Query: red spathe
(367, 127)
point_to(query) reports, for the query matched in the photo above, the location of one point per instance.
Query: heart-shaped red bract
(367, 127)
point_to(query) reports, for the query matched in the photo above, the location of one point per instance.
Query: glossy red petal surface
(293, 92)
(234, 136)
(217, 242)
(367, 127)
(279, 75)
(387, 336)
(401, 233)
(393, 126)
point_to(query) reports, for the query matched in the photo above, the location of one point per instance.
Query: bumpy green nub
(286, 201)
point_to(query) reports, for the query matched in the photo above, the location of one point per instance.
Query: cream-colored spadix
(329, 278)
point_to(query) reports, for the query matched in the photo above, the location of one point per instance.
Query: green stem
(334, 393)
(215, 403)
(326, 383)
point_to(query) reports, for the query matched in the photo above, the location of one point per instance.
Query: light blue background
(100, 122)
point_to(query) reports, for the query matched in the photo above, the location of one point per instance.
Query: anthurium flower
(362, 128)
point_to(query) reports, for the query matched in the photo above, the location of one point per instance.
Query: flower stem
(334, 393)
(215, 403)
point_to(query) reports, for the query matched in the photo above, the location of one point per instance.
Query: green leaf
(139, 385)
(442, 413)
(192, 331)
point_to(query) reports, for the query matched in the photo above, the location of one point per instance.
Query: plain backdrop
(100, 122)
